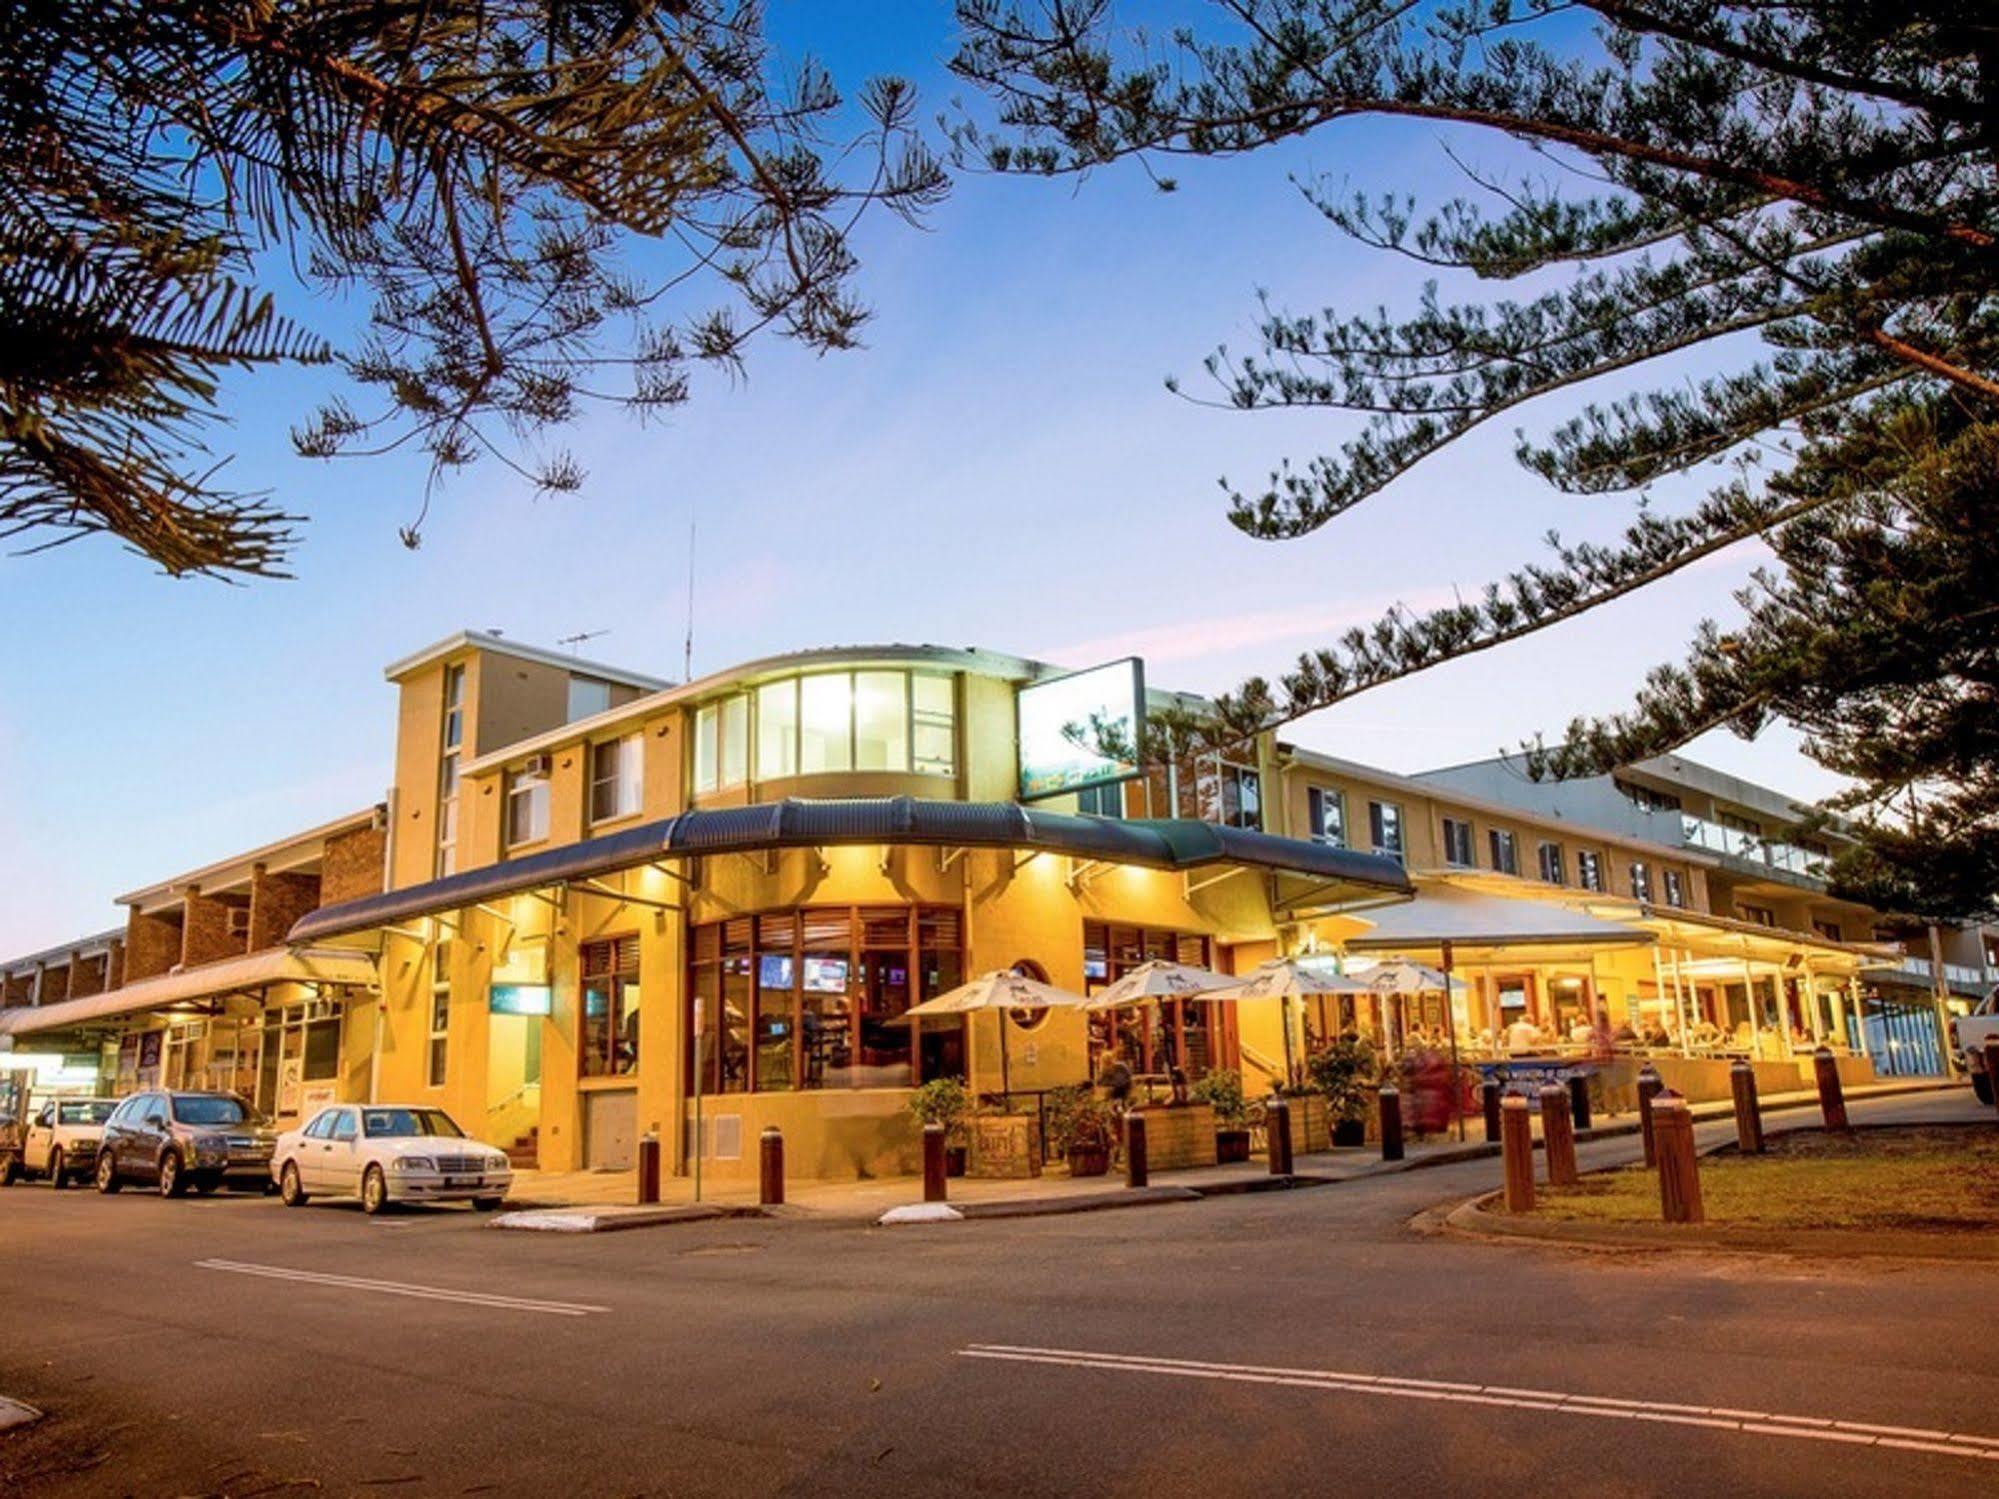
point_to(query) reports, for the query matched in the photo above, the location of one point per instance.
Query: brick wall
(152, 944)
(16, 989)
(351, 867)
(276, 901)
(86, 975)
(55, 982)
(114, 966)
(205, 929)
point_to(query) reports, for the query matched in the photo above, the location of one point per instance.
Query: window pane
(825, 705)
(777, 994)
(322, 1050)
(706, 722)
(732, 1026)
(588, 697)
(826, 1031)
(736, 740)
(935, 725)
(881, 720)
(777, 730)
(604, 780)
(884, 1033)
(631, 772)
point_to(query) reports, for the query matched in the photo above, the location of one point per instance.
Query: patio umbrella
(1161, 979)
(1403, 976)
(1286, 979)
(1002, 990)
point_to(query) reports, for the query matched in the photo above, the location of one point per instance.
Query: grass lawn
(1936, 1180)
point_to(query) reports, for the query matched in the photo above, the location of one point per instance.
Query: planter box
(1311, 1130)
(1231, 1146)
(1003, 1146)
(1179, 1137)
(1094, 1161)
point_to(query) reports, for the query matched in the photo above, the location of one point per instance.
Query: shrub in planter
(943, 1100)
(1083, 1128)
(1221, 1090)
(1343, 1073)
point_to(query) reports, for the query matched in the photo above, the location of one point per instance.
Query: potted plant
(1221, 1090)
(943, 1100)
(1082, 1127)
(1343, 1073)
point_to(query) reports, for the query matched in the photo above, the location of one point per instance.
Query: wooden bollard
(1135, 1174)
(1679, 1170)
(1277, 1125)
(771, 1177)
(1992, 1069)
(1748, 1112)
(933, 1163)
(1391, 1123)
(1649, 1088)
(1579, 1101)
(1516, 1150)
(1489, 1093)
(1558, 1136)
(1832, 1097)
(648, 1169)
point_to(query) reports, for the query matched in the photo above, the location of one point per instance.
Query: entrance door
(610, 1129)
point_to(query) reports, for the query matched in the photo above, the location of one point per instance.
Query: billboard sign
(1081, 730)
(520, 999)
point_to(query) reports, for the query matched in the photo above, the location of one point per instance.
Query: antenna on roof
(687, 653)
(575, 642)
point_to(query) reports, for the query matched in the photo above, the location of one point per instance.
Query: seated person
(1523, 1035)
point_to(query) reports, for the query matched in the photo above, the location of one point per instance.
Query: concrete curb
(606, 1220)
(16, 1413)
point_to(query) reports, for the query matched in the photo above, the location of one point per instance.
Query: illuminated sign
(1081, 730)
(520, 999)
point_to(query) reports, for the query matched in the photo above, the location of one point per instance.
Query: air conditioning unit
(239, 921)
(533, 767)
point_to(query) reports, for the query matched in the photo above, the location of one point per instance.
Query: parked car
(179, 1140)
(60, 1142)
(386, 1154)
(1968, 1035)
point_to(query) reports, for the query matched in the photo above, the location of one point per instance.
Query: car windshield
(89, 1111)
(390, 1124)
(211, 1108)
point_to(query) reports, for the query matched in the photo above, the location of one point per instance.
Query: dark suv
(179, 1140)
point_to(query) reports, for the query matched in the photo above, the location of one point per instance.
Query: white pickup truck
(1968, 1035)
(59, 1142)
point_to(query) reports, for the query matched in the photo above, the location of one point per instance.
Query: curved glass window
(826, 723)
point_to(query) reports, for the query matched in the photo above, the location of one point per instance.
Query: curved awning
(1176, 844)
(244, 975)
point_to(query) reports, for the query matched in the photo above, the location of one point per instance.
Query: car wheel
(1981, 1084)
(10, 1169)
(173, 1181)
(107, 1173)
(58, 1169)
(290, 1189)
(486, 1204)
(374, 1191)
(207, 1186)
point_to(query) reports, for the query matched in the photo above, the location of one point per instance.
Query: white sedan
(388, 1153)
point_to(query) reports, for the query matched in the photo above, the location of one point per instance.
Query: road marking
(403, 1288)
(1609, 1407)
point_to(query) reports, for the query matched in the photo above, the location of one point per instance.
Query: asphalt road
(232, 1346)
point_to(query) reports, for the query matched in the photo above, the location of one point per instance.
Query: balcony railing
(1698, 832)
(1960, 976)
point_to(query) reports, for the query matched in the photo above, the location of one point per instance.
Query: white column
(1858, 1010)
(1755, 1012)
(1812, 1002)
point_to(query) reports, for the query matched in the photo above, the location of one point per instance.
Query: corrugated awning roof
(1441, 914)
(280, 965)
(798, 823)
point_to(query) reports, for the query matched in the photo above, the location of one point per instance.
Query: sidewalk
(610, 1197)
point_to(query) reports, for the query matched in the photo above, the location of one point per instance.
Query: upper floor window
(1740, 823)
(588, 696)
(454, 707)
(1676, 887)
(1589, 870)
(1761, 915)
(1457, 842)
(1505, 851)
(617, 777)
(1641, 881)
(527, 804)
(1101, 801)
(1384, 826)
(1241, 797)
(1551, 864)
(452, 738)
(1649, 799)
(1328, 811)
(828, 722)
(1828, 930)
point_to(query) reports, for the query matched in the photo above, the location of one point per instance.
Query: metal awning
(1465, 919)
(281, 965)
(1168, 843)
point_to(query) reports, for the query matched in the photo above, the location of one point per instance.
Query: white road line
(1608, 1407)
(403, 1288)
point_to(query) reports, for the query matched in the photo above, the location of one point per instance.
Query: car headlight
(415, 1163)
(496, 1163)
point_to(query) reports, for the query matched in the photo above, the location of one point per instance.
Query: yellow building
(595, 905)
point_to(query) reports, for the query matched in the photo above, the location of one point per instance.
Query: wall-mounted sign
(520, 999)
(1081, 730)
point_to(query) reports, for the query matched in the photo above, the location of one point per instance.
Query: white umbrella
(1403, 976)
(1161, 978)
(1001, 990)
(1286, 979)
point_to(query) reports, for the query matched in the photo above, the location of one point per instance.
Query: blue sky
(1000, 465)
